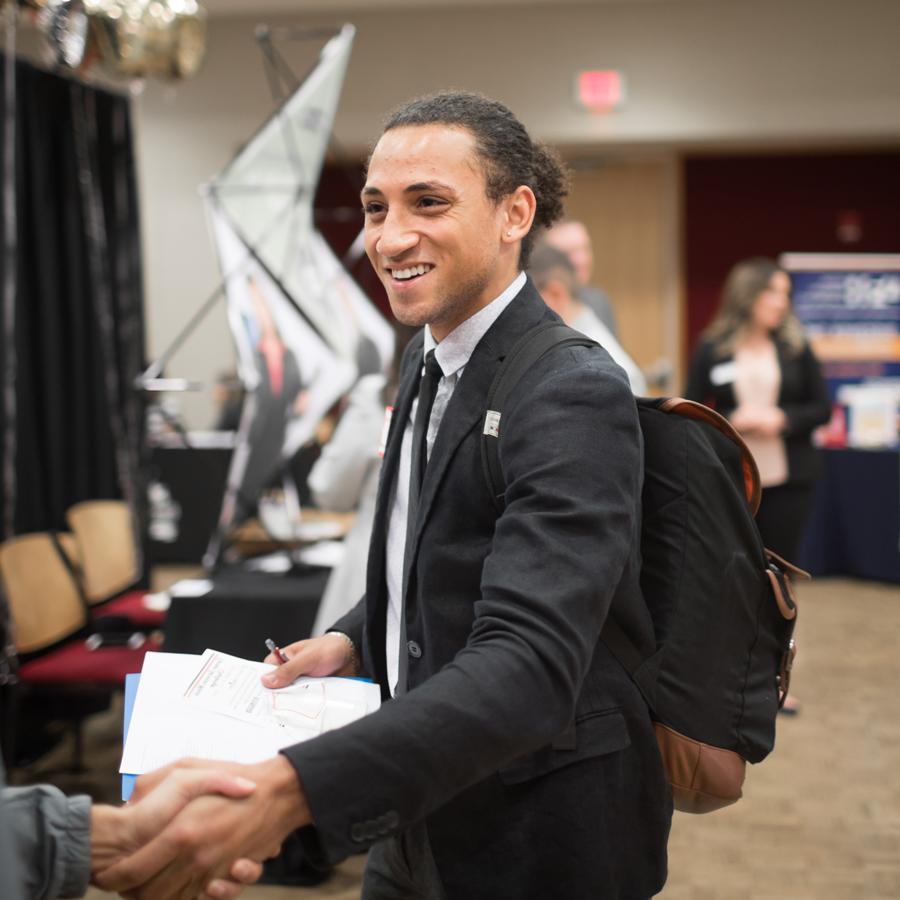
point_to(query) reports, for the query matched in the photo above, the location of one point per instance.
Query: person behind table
(515, 759)
(755, 365)
(345, 479)
(571, 236)
(554, 276)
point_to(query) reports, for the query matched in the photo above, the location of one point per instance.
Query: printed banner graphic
(303, 329)
(850, 307)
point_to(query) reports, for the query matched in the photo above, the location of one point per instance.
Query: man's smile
(409, 272)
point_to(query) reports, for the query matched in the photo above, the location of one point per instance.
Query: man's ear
(519, 209)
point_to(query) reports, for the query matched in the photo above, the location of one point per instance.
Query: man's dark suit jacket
(803, 397)
(521, 743)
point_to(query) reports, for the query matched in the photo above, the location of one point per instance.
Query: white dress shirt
(452, 354)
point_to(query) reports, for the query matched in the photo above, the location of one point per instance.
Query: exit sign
(600, 89)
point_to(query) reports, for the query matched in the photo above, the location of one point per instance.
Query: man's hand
(117, 832)
(195, 851)
(321, 656)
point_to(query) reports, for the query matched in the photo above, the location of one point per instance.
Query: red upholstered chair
(51, 623)
(108, 564)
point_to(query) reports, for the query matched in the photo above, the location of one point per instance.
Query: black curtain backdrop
(79, 321)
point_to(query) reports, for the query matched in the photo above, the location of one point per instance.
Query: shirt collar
(453, 352)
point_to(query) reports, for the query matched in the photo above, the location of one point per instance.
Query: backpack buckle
(783, 679)
(781, 590)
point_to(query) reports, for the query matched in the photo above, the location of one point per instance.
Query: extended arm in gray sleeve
(45, 843)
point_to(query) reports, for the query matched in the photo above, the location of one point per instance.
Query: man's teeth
(403, 274)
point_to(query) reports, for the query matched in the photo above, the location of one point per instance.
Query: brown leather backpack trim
(692, 410)
(703, 778)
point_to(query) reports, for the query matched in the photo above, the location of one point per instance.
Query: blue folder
(131, 686)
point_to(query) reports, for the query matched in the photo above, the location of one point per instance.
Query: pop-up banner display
(850, 307)
(303, 329)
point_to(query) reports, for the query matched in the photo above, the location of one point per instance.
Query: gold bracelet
(354, 656)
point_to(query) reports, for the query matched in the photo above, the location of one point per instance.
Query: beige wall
(774, 72)
(629, 207)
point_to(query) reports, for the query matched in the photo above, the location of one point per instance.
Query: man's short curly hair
(507, 153)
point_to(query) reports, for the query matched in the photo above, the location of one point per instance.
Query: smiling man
(515, 758)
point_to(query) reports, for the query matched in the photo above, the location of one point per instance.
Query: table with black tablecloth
(243, 609)
(195, 478)
(854, 526)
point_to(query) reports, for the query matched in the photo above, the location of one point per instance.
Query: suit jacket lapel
(468, 404)
(375, 568)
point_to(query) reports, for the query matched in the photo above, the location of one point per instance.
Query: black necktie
(419, 456)
(418, 460)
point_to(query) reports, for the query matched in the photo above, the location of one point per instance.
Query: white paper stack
(215, 707)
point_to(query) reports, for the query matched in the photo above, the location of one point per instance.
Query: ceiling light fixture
(140, 38)
(129, 38)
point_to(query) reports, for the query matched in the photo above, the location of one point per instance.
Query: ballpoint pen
(274, 648)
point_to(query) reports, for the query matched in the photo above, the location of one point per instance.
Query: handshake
(200, 828)
(196, 829)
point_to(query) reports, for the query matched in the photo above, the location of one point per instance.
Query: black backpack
(722, 606)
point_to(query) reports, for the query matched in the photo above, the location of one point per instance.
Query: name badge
(724, 373)
(385, 429)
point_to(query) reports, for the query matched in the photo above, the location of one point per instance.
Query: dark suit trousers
(402, 868)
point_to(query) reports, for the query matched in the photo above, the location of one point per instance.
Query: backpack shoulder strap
(523, 355)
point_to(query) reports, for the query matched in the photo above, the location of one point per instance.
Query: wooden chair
(51, 622)
(44, 602)
(107, 561)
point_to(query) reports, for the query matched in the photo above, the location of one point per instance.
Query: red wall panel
(741, 206)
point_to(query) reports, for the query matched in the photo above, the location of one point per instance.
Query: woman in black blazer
(756, 367)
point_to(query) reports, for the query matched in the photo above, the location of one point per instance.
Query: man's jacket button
(357, 832)
(415, 650)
